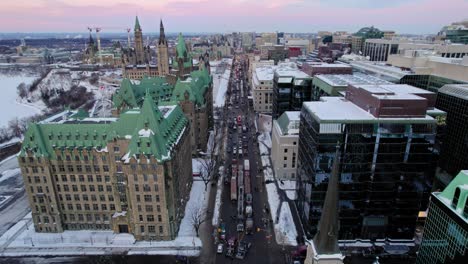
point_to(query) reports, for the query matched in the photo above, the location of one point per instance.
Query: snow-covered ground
(289, 187)
(285, 230)
(198, 201)
(22, 240)
(9, 173)
(220, 81)
(219, 200)
(11, 105)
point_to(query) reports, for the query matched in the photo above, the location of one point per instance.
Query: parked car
(248, 198)
(220, 248)
(230, 252)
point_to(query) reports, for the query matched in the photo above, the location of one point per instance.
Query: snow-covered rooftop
(166, 110)
(327, 65)
(289, 69)
(293, 115)
(345, 79)
(264, 73)
(340, 110)
(380, 68)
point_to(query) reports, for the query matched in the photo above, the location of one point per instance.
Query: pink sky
(404, 16)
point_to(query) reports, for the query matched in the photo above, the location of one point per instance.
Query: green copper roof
(460, 182)
(181, 48)
(156, 132)
(166, 124)
(132, 95)
(137, 24)
(195, 87)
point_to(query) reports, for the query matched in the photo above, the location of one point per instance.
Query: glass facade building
(428, 82)
(289, 93)
(445, 238)
(386, 173)
(453, 99)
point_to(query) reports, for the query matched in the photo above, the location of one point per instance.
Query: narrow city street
(242, 145)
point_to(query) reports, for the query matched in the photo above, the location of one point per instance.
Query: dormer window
(456, 196)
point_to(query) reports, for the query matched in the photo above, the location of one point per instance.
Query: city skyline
(416, 17)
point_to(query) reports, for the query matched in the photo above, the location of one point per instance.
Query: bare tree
(15, 127)
(22, 90)
(208, 166)
(197, 218)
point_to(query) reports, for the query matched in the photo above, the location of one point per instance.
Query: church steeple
(326, 239)
(162, 36)
(137, 24)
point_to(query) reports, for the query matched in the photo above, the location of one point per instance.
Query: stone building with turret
(139, 54)
(194, 95)
(130, 174)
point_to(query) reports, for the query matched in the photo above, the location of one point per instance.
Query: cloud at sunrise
(422, 16)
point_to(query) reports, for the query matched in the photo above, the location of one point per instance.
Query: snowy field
(11, 106)
(22, 240)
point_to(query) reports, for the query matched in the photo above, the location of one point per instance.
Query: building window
(161, 229)
(142, 229)
(147, 197)
(149, 208)
(150, 218)
(159, 218)
(103, 207)
(456, 196)
(90, 178)
(137, 188)
(151, 229)
(157, 198)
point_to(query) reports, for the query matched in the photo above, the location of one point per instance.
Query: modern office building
(380, 49)
(336, 84)
(453, 99)
(457, 32)
(424, 62)
(380, 70)
(445, 237)
(262, 89)
(285, 139)
(130, 174)
(314, 68)
(428, 82)
(386, 142)
(357, 44)
(291, 87)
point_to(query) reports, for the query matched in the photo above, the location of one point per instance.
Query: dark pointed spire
(137, 24)
(162, 36)
(326, 239)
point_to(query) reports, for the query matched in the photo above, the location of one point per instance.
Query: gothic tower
(139, 51)
(163, 56)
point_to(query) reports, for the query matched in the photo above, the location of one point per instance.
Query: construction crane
(128, 35)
